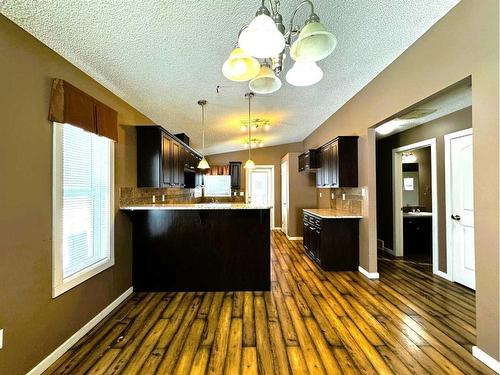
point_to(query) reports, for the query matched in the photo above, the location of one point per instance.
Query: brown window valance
(218, 170)
(69, 105)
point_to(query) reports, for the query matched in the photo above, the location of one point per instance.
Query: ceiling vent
(417, 113)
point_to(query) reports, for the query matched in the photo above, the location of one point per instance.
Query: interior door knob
(455, 217)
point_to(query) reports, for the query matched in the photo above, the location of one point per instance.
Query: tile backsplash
(133, 196)
(350, 200)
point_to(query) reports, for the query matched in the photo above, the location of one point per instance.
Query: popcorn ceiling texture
(162, 56)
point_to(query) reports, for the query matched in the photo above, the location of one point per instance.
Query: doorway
(415, 202)
(460, 208)
(284, 196)
(260, 187)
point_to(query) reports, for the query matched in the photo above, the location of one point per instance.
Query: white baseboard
(294, 238)
(370, 275)
(56, 354)
(486, 359)
(276, 228)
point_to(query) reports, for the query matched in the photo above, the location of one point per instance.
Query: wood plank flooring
(312, 322)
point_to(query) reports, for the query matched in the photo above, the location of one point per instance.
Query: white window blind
(217, 186)
(83, 191)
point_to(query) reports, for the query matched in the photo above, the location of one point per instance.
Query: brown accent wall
(301, 193)
(34, 323)
(261, 156)
(435, 129)
(463, 43)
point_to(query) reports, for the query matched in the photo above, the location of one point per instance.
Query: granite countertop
(330, 213)
(196, 206)
(417, 214)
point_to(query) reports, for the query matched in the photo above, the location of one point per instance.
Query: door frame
(447, 183)
(247, 187)
(285, 188)
(397, 200)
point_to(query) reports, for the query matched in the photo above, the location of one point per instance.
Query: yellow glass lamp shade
(313, 44)
(203, 164)
(240, 67)
(266, 82)
(249, 164)
(304, 74)
(261, 38)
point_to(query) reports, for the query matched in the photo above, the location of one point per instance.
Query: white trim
(247, 182)
(398, 199)
(60, 285)
(447, 184)
(370, 275)
(486, 359)
(276, 228)
(56, 354)
(294, 238)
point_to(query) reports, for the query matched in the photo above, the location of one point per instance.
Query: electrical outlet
(333, 196)
(343, 196)
(320, 195)
(242, 193)
(1, 338)
(363, 192)
(163, 197)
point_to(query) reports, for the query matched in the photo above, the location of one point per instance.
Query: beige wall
(434, 129)
(35, 324)
(464, 43)
(261, 156)
(301, 193)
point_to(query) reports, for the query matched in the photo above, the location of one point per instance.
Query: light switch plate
(1, 338)
(242, 193)
(333, 196)
(343, 196)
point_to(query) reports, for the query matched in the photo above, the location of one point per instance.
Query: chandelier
(256, 124)
(254, 143)
(263, 46)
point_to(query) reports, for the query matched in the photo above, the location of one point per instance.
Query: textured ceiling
(162, 56)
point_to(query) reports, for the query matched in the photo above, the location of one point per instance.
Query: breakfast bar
(201, 247)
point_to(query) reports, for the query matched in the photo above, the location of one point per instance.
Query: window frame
(59, 284)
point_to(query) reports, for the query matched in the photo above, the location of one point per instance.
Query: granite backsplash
(130, 196)
(349, 200)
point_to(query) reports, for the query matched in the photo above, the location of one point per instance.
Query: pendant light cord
(249, 124)
(203, 128)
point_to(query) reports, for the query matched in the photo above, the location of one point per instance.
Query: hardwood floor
(313, 322)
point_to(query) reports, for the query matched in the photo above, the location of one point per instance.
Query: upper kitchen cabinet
(164, 161)
(235, 172)
(309, 161)
(338, 163)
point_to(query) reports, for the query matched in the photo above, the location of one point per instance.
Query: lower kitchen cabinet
(332, 243)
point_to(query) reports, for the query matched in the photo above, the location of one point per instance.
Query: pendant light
(304, 74)
(249, 164)
(314, 42)
(203, 164)
(266, 82)
(240, 66)
(261, 38)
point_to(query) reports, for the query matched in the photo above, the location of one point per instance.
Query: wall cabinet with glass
(165, 161)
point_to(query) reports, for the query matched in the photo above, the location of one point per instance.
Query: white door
(260, 187)
(461, 208)
(284, 197)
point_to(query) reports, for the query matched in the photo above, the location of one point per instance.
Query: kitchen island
(201, 247)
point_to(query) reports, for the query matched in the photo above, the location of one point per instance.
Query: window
(82, 206)
(217, 186)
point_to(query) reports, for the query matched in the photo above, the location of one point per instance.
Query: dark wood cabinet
(163, 161)
(332, 243)
(338, 163)
(417, 235)
(235, 172)
(309, 161)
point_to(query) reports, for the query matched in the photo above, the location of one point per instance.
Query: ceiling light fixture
(203, 164)
(408, 157)
(249, 164)
(266, 38)
(255, 142)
